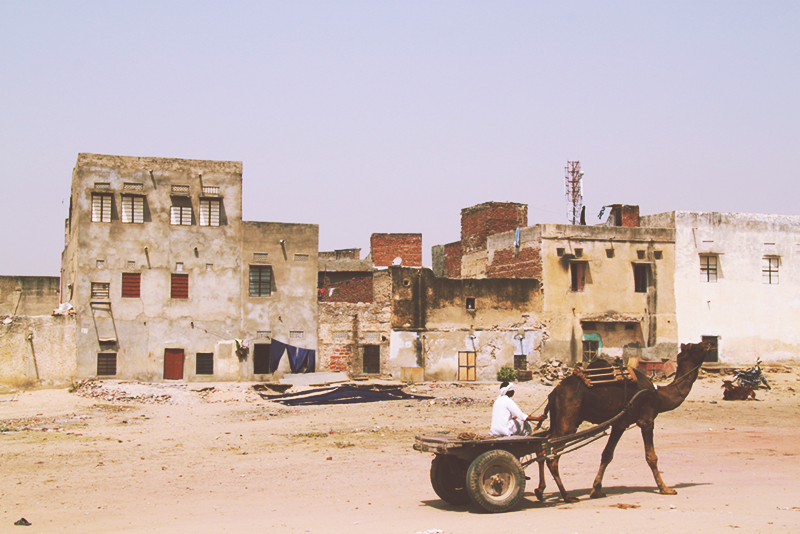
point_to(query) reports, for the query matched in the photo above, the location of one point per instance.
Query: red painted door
(173, 364)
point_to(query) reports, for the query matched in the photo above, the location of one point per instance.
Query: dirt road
(225, 460)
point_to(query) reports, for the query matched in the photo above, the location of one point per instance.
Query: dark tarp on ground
(340, 395)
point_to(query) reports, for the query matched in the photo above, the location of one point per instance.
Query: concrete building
(165, 276)
(607, 290)
(737, 282)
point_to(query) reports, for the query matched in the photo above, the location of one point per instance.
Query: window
(180, 189)
(301, 257)
(260, 280)
(264, 334)
(769, 270)
(296, 334)
(100, 290)
(609, 253)
(101, 207)
(204, 363)
(209, 266)
(578, 272)
(131, 285)
(520, 362)
(641, 277)
(131, 186)
(578, 252)
(466, 366)
(179, 286)
(106, 364)
(640, 254)
(658, 254)
(260, 256)
(371, 363)
(470, 303)
(708, 268)
(180, 215)
(209, 212)
(591, 349)
(131, 264)
(372, 336)
(132, 209)
(100, 264)
(261, 362)
(341, 335)
(610, 327)
(559, 252)
(588, 325)
(179, 266)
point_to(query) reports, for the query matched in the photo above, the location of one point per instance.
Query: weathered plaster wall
(38, 350)
(28, 295)
(752, 319)
(291, 251)
(435, 318)
(608, 293)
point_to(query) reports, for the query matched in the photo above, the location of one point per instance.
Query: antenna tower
(573, 175)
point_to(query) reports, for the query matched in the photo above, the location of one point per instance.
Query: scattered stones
(551, 370)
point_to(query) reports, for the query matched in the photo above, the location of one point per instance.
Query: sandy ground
(224, 460)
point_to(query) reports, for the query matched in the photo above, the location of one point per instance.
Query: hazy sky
(376, 116)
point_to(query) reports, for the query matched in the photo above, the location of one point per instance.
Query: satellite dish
(397, 261)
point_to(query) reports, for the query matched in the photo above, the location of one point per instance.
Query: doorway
(173, 364)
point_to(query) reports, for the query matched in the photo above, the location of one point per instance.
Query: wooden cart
(490, 471)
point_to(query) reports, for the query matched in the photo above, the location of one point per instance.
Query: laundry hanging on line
(300, 360)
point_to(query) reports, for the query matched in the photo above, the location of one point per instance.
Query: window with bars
(101, 207)
(591, 350)
(260, 280)
(520, 362)
(209, 212)
(100, 290)
(769, 269)
(179, 286)
(297, 334)
(260, 256)
(132, 209)
(301, 257)
(131, 285)
(708, 268)
(106, 364)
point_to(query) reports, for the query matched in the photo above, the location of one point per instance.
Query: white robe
(503, 413)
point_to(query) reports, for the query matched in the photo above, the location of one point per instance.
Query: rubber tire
(450, 487)
(511, 480)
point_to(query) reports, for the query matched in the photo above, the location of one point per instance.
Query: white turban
(506, 389)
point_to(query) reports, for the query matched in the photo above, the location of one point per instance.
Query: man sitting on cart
(507, 418)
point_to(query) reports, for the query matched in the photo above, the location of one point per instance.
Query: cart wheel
(448, 478)
(496, 481)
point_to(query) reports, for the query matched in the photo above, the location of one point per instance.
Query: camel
(572, 402)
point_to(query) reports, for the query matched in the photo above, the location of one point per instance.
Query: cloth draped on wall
(298, 357)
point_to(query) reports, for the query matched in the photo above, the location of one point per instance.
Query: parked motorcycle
(752, 378)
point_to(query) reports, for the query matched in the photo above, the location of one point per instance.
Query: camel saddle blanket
(605, 375)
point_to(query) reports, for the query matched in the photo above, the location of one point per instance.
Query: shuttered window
(209, 212)
(260, 280)
(101, 207)
(179, 287)
(132, 209)
(131, 285)
(100, 290)
(107, 364)
(180, 215)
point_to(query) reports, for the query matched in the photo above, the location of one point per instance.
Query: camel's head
(694, 354)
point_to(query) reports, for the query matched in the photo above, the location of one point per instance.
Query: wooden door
(466, 366)
(173, 364)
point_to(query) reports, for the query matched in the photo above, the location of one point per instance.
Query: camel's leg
(553, 466)
(605, 459)
(539, 491)
(652, 459)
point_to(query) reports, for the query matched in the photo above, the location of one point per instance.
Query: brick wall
(345, 287)
(452, 260)
(625, 215)
(525, 262)
(386, 247)
(489, 218)
(343, 254)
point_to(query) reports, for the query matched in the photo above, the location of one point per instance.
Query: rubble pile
(552, 370)
(95, 389)
(457, 401)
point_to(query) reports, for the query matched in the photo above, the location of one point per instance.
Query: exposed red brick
(510, 263)
(452, 260)
(347, 287)
(489, 218)
(386, 247)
